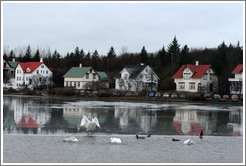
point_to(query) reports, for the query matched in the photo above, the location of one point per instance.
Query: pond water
(33, 129)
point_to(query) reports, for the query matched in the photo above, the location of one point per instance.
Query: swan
(90, 125)
(175, 139)
(189, 142)
(70, 139)
(115, 140)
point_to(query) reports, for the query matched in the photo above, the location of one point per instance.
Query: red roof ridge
(238, 69)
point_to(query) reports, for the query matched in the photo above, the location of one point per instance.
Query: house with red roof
(196, 78)
(32, 73)
(236, 83)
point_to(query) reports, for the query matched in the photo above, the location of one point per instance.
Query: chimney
(80, 65)
(13, 60)
(41, 59)
(197, 63)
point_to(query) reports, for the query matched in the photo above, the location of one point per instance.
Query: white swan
(70, 139)
(90, 125)
(189, 142)
(115, 140)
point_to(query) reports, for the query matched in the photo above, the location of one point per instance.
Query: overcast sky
(98, 26)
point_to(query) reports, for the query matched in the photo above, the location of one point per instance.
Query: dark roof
(135, 70)
(102, 75)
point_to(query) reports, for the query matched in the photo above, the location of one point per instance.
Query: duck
(189, 142)
(175, 139)
(149, 135)
(115, 140)
(70, 139)
(90, 125)
(201, 134)
(140, 137)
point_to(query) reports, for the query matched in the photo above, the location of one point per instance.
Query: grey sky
(99, 26)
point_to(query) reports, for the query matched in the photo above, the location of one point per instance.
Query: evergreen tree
(56, 55)
(36, 57)
(173, 51)
(27, 56)
(95, 59)
(12, 54)
(144, 56)
(184, 56)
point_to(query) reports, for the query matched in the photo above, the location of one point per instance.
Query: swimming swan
(90, 125)
(115, 140)
(70, 139)
(189, 142)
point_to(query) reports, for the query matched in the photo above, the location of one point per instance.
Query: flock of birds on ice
(90, 126)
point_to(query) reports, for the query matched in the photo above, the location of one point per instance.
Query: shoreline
(133, 99)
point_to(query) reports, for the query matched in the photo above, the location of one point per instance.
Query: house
(137, 78)
(236, 83)
(196, 78)
(84, 78)
(32, 73)
(6, 71)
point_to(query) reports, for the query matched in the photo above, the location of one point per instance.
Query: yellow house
(196, 78)
(79, 77)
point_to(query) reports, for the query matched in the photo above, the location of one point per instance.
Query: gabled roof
(134, 71)
(13, 64)
(27, 122)
(77, 71)
(31, 65)
(238, 69)
(102, 75)
(198, 71)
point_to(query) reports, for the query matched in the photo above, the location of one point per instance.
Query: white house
(196, 78)
(137, 78)
(84, 77)
(236, 83)
(32, 73)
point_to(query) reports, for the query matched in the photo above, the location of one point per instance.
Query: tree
(184, 56)
(144, 56)
(95, 59)
(173, 51)
(36, 57)
(27, 56)
(111, 59)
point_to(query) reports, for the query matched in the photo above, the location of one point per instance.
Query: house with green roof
(81, 77)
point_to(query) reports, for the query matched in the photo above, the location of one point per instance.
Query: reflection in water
(47, 116)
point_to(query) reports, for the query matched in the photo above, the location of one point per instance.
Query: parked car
(151, 94)
(157, 94)
(174, 95)
(217, 96)
(234, 97)
(165, 95)
(9, 85)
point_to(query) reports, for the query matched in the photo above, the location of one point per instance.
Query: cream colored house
(196, 78)
(80, 77)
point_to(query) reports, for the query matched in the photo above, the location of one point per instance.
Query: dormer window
(42, 66)
(187, 76)
(28, 69)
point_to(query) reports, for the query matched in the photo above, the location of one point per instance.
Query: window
(87, 75)
(199, 86)
(70, 84)
(94, 76)
(211, 76)
(66, 83)
(37, 72)
(205, 76)
(42, 66)
(192, 85)
(187, 76)
(181, 85)
(78, 84)
(74, 84)
(26, 78)
(12, 73)
(46, 71)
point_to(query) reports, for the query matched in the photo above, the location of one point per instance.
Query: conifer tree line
(165, 61)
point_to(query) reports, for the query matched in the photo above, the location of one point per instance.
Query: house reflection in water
(28, 116)
(235, 119)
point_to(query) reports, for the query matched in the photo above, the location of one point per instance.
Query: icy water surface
(33, 129)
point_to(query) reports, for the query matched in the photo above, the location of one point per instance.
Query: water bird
(189, 142)
(90, 125)
(70, 139)
(115, 140)
(201, 134)
(149, 135)
(175, 139)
